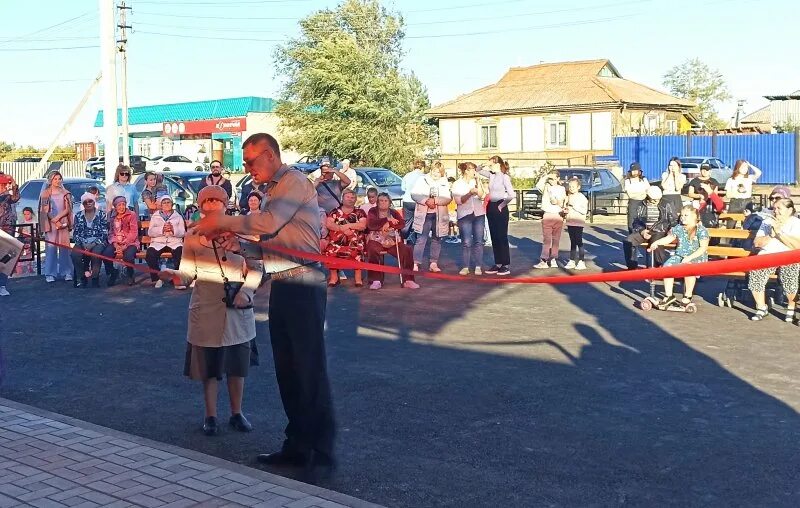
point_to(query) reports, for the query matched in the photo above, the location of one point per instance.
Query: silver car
(30, 191)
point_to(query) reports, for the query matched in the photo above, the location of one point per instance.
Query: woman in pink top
(123, 238)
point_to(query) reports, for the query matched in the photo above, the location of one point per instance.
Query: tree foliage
(10, 151)
(696, 81)
(345, 93)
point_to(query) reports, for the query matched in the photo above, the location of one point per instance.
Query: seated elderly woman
(384, 225)
(780, 233)
(692, 238)
(123, 238)
(346, 226)
(166, 231)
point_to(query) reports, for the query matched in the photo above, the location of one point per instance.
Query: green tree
(696, 81)
(344, 92)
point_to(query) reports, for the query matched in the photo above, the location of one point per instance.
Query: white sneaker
(416, 267)
(478, 270)
(49, 279)
(159, 284)
(541, 265)
(68, 278)
(464, 271)
(376, 284)
(410, 284)
(434, 268)
(553, 263)
(570, 265)
(580, 266)
(4, 291)
(180, 288)
(342, 275)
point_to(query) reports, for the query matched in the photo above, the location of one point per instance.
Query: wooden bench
(735, 280)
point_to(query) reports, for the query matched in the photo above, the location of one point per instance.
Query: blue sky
(453, 46)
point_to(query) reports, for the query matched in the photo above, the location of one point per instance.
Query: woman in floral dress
(346, 238)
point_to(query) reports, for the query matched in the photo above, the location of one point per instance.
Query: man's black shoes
(240, 423)
(210, 427)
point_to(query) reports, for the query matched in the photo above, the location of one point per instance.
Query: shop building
(201, 130)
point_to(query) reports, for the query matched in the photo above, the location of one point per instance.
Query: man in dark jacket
(216, 178)
(654, 219)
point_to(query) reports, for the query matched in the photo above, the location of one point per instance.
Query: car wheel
(165, 169)
(199, 168)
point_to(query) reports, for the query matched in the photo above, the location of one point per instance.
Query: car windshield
(692, 160)
(566, 174)
(384, 178)
(77, 189)
(193, 182)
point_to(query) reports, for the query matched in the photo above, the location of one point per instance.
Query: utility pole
(739, 110)
(108, 69)
(123, 49)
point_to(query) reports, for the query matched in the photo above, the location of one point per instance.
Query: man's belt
(294, 272)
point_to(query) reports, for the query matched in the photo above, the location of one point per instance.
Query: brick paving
(52, 461)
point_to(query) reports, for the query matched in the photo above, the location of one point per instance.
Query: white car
(173, 163)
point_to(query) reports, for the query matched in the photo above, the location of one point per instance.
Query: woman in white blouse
(468, 192)
(672, 182)
(634, 186)
(739, 187)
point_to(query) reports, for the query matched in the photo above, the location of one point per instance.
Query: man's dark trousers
(297, 326)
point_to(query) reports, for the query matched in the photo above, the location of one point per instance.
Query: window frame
(489, 129)
(556, 122)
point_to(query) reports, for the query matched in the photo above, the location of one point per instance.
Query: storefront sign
(204, 126)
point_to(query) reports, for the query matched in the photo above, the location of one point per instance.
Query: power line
(37, 81)
(212, 2)
(49, 49)
(59, 24)
(488, 4)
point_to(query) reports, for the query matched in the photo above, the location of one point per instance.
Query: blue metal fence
(774, 154)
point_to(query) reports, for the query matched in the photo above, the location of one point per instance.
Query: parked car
(183, 186)
(30, 191)
(97, 169)
(382, 179)
(720, 171)
(311, 163)
(599, 182)
(174, 163)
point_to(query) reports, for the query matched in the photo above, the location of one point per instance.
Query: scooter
(651, 302)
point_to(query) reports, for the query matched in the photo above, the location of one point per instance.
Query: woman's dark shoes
(283, 459)
(240, 423)
(210, 427)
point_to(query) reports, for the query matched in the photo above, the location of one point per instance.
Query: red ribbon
(707, 269)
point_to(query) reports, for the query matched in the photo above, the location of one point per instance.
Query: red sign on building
(204, 126)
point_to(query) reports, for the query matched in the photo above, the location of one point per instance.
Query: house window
(672, 126)
(651, 124)
(488, 136)
(557, 134)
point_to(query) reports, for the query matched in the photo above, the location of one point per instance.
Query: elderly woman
(55, 221)
(221, 325)
(431, 192)
(780, 233)
(346, 226)
(123, 239)
(9, 194)
(384, 225)
(166, 231)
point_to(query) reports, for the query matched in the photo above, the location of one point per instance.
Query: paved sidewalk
(49, 460)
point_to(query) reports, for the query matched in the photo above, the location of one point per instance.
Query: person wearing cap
(166, 232)
(290, 222)
(654, 218)
(216, 178)
(635, 187)
(330, 184)
(346, 169)
(91, 239)
(221, 326)
(702, 186)
(123, 239)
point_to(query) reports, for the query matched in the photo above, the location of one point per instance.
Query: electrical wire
(59, 24)
(50, 49)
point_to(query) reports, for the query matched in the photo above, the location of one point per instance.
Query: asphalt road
(460, 394)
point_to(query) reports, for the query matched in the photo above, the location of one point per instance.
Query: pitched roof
(589, 84)
(197, 110)
(786, 97)
(763, 115)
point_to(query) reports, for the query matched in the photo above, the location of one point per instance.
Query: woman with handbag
(431, 192)
(221, 319)
(635, 187)
(55, 221)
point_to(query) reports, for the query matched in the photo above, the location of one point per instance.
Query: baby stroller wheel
(646, 304)
(691, 308)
